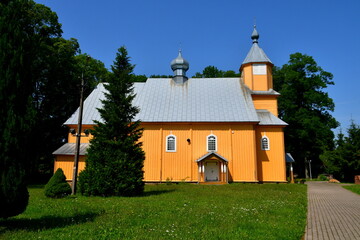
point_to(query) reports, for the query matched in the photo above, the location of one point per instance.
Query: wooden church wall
(271, 163)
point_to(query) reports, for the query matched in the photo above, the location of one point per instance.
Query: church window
(171, 143)
(211, 143)
(265, 144)
(259, 69)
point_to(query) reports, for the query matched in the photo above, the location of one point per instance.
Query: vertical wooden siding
(238, 143)
(235, 142)
(266, 102)
(151, 141)
(84, 139)
(176, 166)
(244, 166)
(271, 163)
(257, 82)
(66, 163)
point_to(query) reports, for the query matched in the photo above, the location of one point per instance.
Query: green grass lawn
(354, 188)
(184, 211)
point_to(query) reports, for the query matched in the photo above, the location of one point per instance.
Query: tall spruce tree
(16, 111)
(344, 161)
(115, 159)
(307, 109)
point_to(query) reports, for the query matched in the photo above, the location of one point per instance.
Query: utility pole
(306, 168)
(78, 137)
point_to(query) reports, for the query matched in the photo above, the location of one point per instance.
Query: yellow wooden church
(201, 130)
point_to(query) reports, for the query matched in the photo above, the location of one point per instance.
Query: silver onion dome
(179, 63)
(255, 35)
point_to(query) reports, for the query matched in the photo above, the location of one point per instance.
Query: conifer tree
(115, 158)
(16, 111)
(344, 160)
(57, 187)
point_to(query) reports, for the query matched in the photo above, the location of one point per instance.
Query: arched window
(171, 143)
(211, 143)
(265, 143)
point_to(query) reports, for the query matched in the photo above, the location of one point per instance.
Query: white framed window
(265, 143)
(211, 141)
(171, 143)
(259, 69)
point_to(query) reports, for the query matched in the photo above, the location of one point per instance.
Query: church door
(212, 171)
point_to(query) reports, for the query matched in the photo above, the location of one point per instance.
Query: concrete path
(333, 212)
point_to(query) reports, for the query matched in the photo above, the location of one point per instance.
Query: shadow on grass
(37, 186)
(46, 222)
(156, 192)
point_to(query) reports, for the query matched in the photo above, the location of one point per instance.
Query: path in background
(333, 212)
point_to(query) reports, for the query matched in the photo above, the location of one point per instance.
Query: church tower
(257, 68)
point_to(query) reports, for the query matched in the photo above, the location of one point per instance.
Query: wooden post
(78, 137)
(291, 173)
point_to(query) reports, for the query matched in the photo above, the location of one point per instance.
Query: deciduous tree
(307, 108)
(214, 72)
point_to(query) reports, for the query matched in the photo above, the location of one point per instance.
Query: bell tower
(256, 70)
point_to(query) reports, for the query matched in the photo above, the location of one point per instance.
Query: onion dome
(255, 35)
(179, 63)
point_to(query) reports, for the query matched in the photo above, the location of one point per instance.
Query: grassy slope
(235, 211)
(353, 188)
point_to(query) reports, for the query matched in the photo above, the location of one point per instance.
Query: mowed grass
(354, 188)
(183, 211)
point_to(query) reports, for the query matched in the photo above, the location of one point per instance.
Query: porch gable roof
(211, 154)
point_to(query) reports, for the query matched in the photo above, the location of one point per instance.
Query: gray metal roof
(289, 158)
(269, 92)
(69, 149)
(267, 118)
(256, 54)
(197, 100)
(92, 103)
(209, 154)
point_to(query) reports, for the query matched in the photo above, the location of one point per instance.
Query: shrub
(14, 195)
(57, 187)
(322, 177)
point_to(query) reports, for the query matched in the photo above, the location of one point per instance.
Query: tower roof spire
(256, 54)
(255, 35)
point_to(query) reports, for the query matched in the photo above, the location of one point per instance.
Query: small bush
(300, 180)
(57, 187)
(168, 181)
(322, 177)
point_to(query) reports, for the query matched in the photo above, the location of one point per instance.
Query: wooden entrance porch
(212, 169)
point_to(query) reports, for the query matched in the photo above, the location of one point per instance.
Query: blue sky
(214, 32)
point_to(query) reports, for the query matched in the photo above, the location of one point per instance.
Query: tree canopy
(307, 108)
(344, 161)
(17, 49)
(115, 158)
(39, 89)
(214, 72)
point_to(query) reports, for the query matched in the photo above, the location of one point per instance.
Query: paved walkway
(333, 212)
